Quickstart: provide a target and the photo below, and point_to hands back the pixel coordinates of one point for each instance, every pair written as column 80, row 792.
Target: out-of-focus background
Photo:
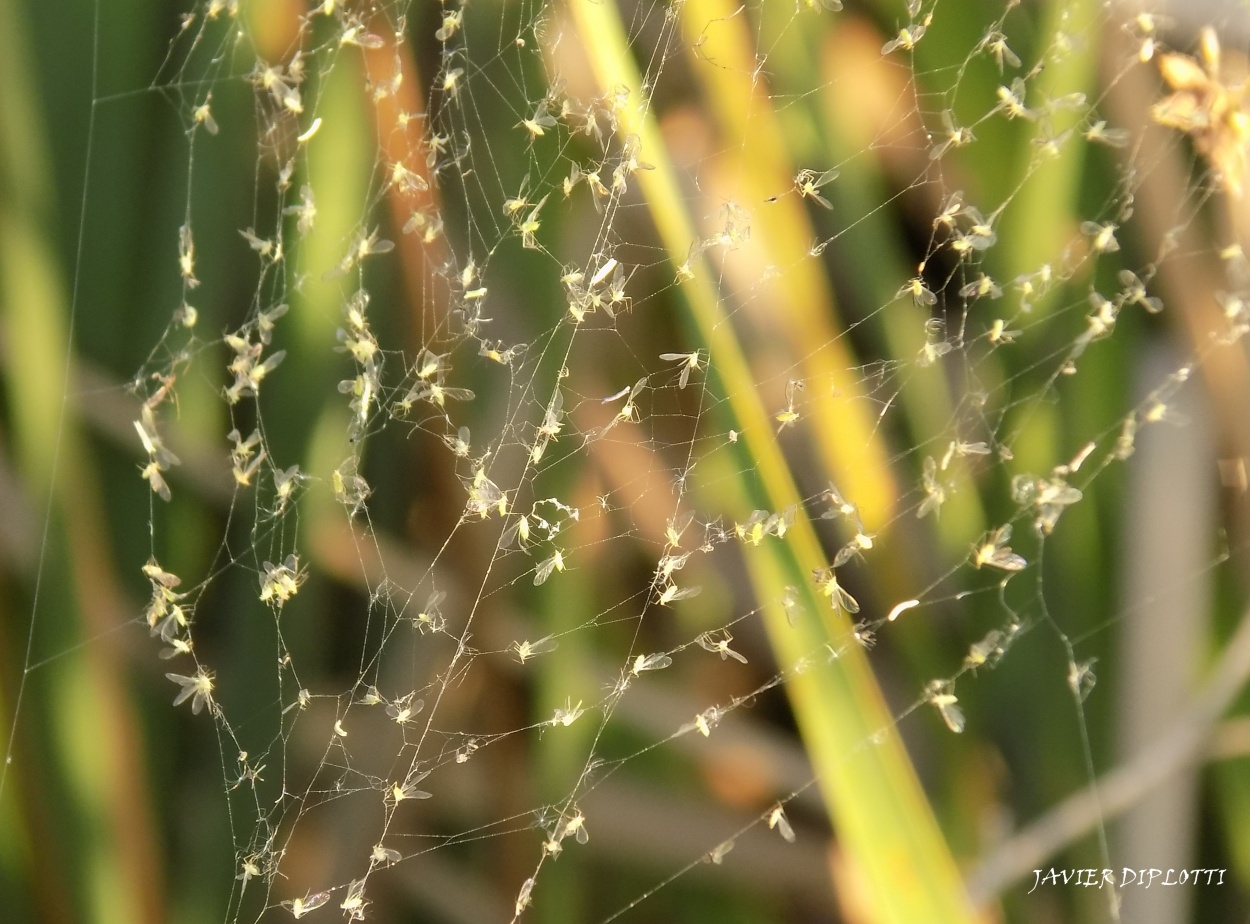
column 875, row 369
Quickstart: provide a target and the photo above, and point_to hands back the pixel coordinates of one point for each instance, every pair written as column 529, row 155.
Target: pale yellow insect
column 941, row 693
column 952, row 135
column 789, row 414
column 718, row 643
column 777, row 821
column 827, row 580
column 408, row 789
column 671, row 593
column 550, row 428
column 310, row 902
column 385, row 855
column 198, row 688
column 993, row 551
column 527, row 649
column 555, row 562
column 650, row 662
column 1102, row 236
column 405, row 709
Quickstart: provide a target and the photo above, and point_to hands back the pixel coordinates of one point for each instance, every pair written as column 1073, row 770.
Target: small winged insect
column 202, row 115
column 451, row 81
column 934, row 490
column 305, row 211
column 249, row 870
column 1098, row 133
column 197, row 688
column 523, row 897
column 355, row 34
column 998, row 333
column 265, row 248
column 527, row 649
column 405, row 709
column 718, row 643
column 354, row 903
column 517, row 532
column 430, row 619
column 575, row 827
column 245, row 465
column 907, row 37
column 365, row 244
column 1135, row 293
column 1011, row 101
column 617, row 300
column 186, row 257
column 285, row 481
column 459, row 444
column 838, row 505
column 808, row 184
column 496, row 352
column 982, row 287
column 996, row 44
column 677, row 526
column 435, row 393
column 670, row 563
column 1102, row 237
column 827, row 580
column 451, row 23
column 280, row 583
column 408, row 789
column 920, row 294
column 789, row 414
column 651, row 662
column 537, row 124
column 777, row 821
column 160, row 459
column 530, row 225
column 673, row 594
column 385, row 855
column 554, row 562
column 861, row 543
column 987, row 651
column 751, row 531
column 629, row 410
column 550, row 428
column 993, row 551
column 953, row 136
column 690, row 362
column 406, row 181
column 704, row 722
column 941, row 693
column 717, row 854
column 485, row 497
column 790, row 603
column 567, row 714
column 310, row 902
column 951, row 209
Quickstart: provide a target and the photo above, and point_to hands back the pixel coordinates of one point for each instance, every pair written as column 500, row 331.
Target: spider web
column 455, row 536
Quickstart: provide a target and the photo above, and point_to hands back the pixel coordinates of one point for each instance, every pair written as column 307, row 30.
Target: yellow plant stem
column 885, row 825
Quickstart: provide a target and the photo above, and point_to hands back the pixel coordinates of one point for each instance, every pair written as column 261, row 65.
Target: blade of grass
column 844, row 433
column 875, row 800
column 95, row 792
column 1042, row 215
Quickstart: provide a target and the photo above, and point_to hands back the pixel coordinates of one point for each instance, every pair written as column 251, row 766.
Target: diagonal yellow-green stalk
column 884, row 823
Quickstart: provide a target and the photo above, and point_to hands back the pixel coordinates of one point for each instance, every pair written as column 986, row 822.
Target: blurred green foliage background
column 116, row 807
